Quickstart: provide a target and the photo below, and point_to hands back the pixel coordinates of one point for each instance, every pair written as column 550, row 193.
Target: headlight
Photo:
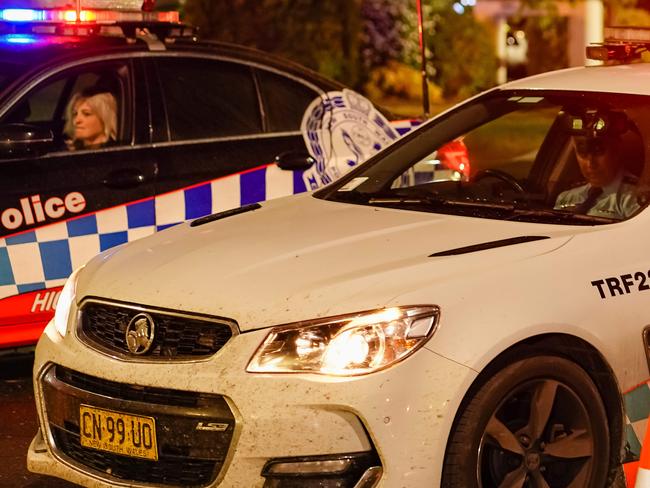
column 66, row 297
column 346, row 345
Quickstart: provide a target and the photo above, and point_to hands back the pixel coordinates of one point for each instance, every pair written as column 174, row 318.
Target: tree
column 461, row 57
column 381, row 37
column 321, row 35
column 463, row 54
column 347, row 39
column 248, row 22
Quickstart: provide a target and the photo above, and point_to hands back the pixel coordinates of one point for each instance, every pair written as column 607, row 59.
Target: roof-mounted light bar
column 627, row 34
column 81, row 4
column 32, row 15
column 623, row 44
column 20, row 15
column 619, row 52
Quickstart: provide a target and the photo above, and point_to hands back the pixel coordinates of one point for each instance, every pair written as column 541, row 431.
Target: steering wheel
column 499, row 175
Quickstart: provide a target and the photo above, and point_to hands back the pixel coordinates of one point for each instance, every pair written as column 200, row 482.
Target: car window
column 40, row 106
column 285, row 101
column 52, row 105
column 208, row 98
column 557, row 157
column 521, row 134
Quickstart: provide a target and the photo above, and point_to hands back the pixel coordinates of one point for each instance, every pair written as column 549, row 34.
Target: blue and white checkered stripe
column 229, row 192
column 637, row 410
column 45, row 257
column 404, row 126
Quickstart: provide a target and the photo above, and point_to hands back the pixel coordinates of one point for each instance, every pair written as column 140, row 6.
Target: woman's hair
column 102, row 103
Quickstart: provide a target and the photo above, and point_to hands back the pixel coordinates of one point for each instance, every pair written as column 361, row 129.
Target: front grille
column 187, row 455
column 146, row 394
column 177, row 336
column 168, row 470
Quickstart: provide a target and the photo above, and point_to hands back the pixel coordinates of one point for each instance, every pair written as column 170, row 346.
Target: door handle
column 123, row 179
column 294, row 161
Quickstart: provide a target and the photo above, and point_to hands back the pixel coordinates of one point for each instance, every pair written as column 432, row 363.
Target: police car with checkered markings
column 395, row 328
column 197, row 126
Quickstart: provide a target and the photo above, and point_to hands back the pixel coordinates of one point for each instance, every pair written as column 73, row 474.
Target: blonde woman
column 91, row 120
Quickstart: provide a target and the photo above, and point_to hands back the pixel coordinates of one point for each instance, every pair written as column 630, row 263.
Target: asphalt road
column 18, row 424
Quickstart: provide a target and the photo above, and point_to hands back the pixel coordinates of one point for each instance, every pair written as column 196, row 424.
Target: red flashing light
column 455, row 156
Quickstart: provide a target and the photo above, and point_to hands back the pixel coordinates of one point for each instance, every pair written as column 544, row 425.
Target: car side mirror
column 17, row 140
column 294, row 160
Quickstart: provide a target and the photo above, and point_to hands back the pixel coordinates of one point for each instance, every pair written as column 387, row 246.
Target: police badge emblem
column 341, row 130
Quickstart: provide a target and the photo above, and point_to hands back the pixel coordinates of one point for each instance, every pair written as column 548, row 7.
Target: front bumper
column 401, row 415
column 187, row 456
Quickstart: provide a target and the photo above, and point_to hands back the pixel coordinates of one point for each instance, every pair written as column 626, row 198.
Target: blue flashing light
column 19, row 39
column 458, row 8
column 21, row 15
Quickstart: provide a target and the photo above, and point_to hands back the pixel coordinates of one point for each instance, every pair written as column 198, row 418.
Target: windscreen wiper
column 564, row 215
column 442, row 201
column 512, row 210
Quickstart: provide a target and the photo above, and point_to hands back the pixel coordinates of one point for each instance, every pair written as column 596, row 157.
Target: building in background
column 531, row 41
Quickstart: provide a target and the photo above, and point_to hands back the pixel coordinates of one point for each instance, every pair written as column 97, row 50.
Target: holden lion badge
column 140, row 333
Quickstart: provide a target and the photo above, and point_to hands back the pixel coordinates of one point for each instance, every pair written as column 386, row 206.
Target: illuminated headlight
column 346, row 345
column 66, row 297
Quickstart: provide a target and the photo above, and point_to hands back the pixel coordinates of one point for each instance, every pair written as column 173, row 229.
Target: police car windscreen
column 537, row 156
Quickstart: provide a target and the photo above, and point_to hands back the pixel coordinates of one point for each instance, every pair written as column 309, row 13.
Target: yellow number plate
column 120, row 433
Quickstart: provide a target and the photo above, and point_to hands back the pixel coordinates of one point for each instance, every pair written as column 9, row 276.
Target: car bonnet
column 301, row 258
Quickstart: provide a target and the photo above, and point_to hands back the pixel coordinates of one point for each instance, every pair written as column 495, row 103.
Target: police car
column 198, row 125
column 388, row 330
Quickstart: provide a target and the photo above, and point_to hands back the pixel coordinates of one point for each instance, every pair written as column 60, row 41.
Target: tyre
column 537, row 423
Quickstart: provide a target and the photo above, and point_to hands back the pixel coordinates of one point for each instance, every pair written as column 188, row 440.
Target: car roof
column 253, row 55
column 38, row 55
column 623, row 78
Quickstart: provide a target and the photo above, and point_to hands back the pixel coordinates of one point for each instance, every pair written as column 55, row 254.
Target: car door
column 285, row 98
column 218, row 142
column 60, row 207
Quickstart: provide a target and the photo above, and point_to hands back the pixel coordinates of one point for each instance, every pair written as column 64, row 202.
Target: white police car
column 197, row 128
column 394, row 329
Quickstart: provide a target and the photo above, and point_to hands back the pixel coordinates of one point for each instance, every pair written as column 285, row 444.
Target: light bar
column 627, row 34
column 97, row 16
column 622, row 44
column 69, row 4
column 32, row 15
column 616, row 52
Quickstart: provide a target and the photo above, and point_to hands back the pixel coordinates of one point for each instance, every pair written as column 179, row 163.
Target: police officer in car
column 609, row 191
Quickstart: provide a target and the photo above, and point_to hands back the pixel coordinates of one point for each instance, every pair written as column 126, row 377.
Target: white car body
column 303, row 258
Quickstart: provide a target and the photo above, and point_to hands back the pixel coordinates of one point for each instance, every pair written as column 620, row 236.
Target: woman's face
column 88, row 127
